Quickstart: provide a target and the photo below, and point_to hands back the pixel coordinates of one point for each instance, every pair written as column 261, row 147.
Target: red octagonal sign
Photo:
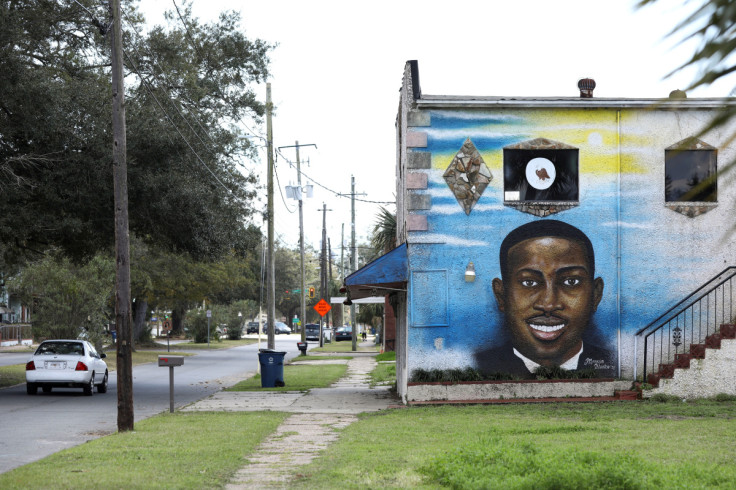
column 322, row 307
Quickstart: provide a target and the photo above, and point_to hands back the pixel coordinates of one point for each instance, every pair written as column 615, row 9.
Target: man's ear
column 499, row 293
column 597, row 292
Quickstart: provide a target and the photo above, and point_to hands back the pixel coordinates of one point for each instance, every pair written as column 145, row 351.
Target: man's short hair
column 545, row 228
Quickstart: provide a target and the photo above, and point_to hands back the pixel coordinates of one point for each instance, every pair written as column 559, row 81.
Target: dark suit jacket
column 501, row 359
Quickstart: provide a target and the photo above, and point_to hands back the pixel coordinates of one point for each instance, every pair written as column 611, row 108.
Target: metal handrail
column 707, row 303
column 732, row 268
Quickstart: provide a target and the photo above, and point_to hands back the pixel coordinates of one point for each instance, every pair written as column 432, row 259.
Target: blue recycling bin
column 272, row 368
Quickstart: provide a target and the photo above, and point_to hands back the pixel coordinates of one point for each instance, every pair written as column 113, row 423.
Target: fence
column 15, row 334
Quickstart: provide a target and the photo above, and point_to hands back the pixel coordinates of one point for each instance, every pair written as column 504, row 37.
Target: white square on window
column 511, row 196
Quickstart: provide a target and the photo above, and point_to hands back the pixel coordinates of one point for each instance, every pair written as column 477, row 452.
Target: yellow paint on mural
column 594, row 132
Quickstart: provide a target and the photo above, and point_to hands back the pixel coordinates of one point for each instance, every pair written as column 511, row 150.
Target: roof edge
column 461, row 101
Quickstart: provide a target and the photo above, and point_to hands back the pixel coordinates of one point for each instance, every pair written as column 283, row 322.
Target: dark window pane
column 540, row 175
column 690, row 176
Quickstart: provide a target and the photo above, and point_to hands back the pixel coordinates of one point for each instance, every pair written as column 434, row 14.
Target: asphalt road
column 33, row 427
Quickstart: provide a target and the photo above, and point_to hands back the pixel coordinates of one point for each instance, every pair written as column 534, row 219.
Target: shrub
column 556, row 372
column 724, row 397
column 234, row 328
column 664, row 398
column 196, row 322
column 455, row 375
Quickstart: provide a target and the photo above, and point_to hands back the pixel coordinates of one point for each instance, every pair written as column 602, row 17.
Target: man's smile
column 546, row 328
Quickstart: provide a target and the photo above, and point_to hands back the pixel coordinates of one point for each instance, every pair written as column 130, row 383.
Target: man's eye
column 529, row 283
column 571, row 281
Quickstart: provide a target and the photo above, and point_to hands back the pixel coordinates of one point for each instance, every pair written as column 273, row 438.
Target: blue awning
column 387, row 273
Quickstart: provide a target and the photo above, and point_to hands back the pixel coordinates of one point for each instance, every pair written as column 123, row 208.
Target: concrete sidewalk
column 317, row 417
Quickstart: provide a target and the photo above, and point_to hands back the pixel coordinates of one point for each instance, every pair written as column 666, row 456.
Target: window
column 690, row 172
column 540, row 170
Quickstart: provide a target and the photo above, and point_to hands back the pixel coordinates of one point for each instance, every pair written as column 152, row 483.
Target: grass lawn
column 12, row 375
column 383, row 374
column 565, row 445
column 180, row 450
column 319, row 358
column 298, row 378
column 214, row 344
column 343, row 346
column 140, row 357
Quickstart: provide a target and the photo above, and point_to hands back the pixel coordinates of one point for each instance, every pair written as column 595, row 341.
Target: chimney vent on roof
column 678, row 94
column 586, row 86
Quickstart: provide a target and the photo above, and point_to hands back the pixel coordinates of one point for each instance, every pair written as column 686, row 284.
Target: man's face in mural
column 548, row 297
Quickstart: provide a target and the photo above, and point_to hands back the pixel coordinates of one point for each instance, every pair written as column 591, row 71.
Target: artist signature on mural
column 596, row 363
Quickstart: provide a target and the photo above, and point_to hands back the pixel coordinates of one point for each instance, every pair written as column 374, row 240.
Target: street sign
column 322, row 307
column 209, row 313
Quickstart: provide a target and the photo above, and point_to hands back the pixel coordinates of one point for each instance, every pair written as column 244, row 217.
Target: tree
column 383, row 237
column 287, row 278
column 68, row 300
column 175, row 281
column 713, row 24
column 188, row 86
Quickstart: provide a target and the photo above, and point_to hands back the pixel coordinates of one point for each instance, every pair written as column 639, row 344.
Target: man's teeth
column 544, row 328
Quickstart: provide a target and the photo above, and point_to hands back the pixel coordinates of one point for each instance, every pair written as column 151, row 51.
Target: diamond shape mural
column 467, row 176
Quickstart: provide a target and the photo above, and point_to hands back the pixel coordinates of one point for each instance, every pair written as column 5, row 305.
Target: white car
column 66, row 364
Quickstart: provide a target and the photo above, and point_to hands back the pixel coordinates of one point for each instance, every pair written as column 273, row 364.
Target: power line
column 338, row 194
column 278, row 150
column 282, row 193
column 145, row 83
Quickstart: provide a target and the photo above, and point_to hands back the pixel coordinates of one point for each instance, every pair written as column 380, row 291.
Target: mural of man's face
column 548, row 297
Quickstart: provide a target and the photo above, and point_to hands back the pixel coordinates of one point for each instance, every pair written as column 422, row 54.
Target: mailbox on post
column 164, row 361
column 171, row 362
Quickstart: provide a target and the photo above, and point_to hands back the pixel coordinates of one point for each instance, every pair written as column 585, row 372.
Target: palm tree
column 383, row 238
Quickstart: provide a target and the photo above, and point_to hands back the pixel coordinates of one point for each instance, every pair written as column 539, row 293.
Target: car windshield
column 60, row 348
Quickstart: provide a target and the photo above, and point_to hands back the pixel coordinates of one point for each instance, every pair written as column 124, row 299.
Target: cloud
column 623, row 224
column 418, row 237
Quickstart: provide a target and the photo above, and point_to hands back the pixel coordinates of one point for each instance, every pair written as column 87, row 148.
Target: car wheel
column 102, row 387
column 88, row 387
column 31, row 388
column 47, row 389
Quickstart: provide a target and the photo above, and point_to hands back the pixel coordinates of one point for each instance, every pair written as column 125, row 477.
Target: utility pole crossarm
column 301, row 238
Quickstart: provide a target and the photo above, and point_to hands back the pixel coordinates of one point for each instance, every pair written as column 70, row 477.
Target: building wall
column 647, row 255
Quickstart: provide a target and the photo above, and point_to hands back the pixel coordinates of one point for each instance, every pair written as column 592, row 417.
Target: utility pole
column 355, row 258
column 323, row 263
column 303, row 315
column 342, row 269
column 271, row 270
column 354, row 255
column 122, row 238
column 342, row 253
column 299, row 193
column 330, row 314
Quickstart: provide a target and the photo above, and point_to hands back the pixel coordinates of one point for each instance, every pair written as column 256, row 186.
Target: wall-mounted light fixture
column 470, row 273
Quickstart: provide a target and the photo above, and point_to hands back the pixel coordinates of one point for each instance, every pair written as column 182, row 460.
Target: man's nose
column 548, row 300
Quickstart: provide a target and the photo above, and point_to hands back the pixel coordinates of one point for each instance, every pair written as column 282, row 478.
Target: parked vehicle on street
column 344, row 333
column 252, row 327
column 311, row 331
column 278, row 328
column 66, row 364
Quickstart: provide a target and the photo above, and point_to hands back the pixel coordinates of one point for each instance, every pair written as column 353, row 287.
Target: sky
column 338, row 66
